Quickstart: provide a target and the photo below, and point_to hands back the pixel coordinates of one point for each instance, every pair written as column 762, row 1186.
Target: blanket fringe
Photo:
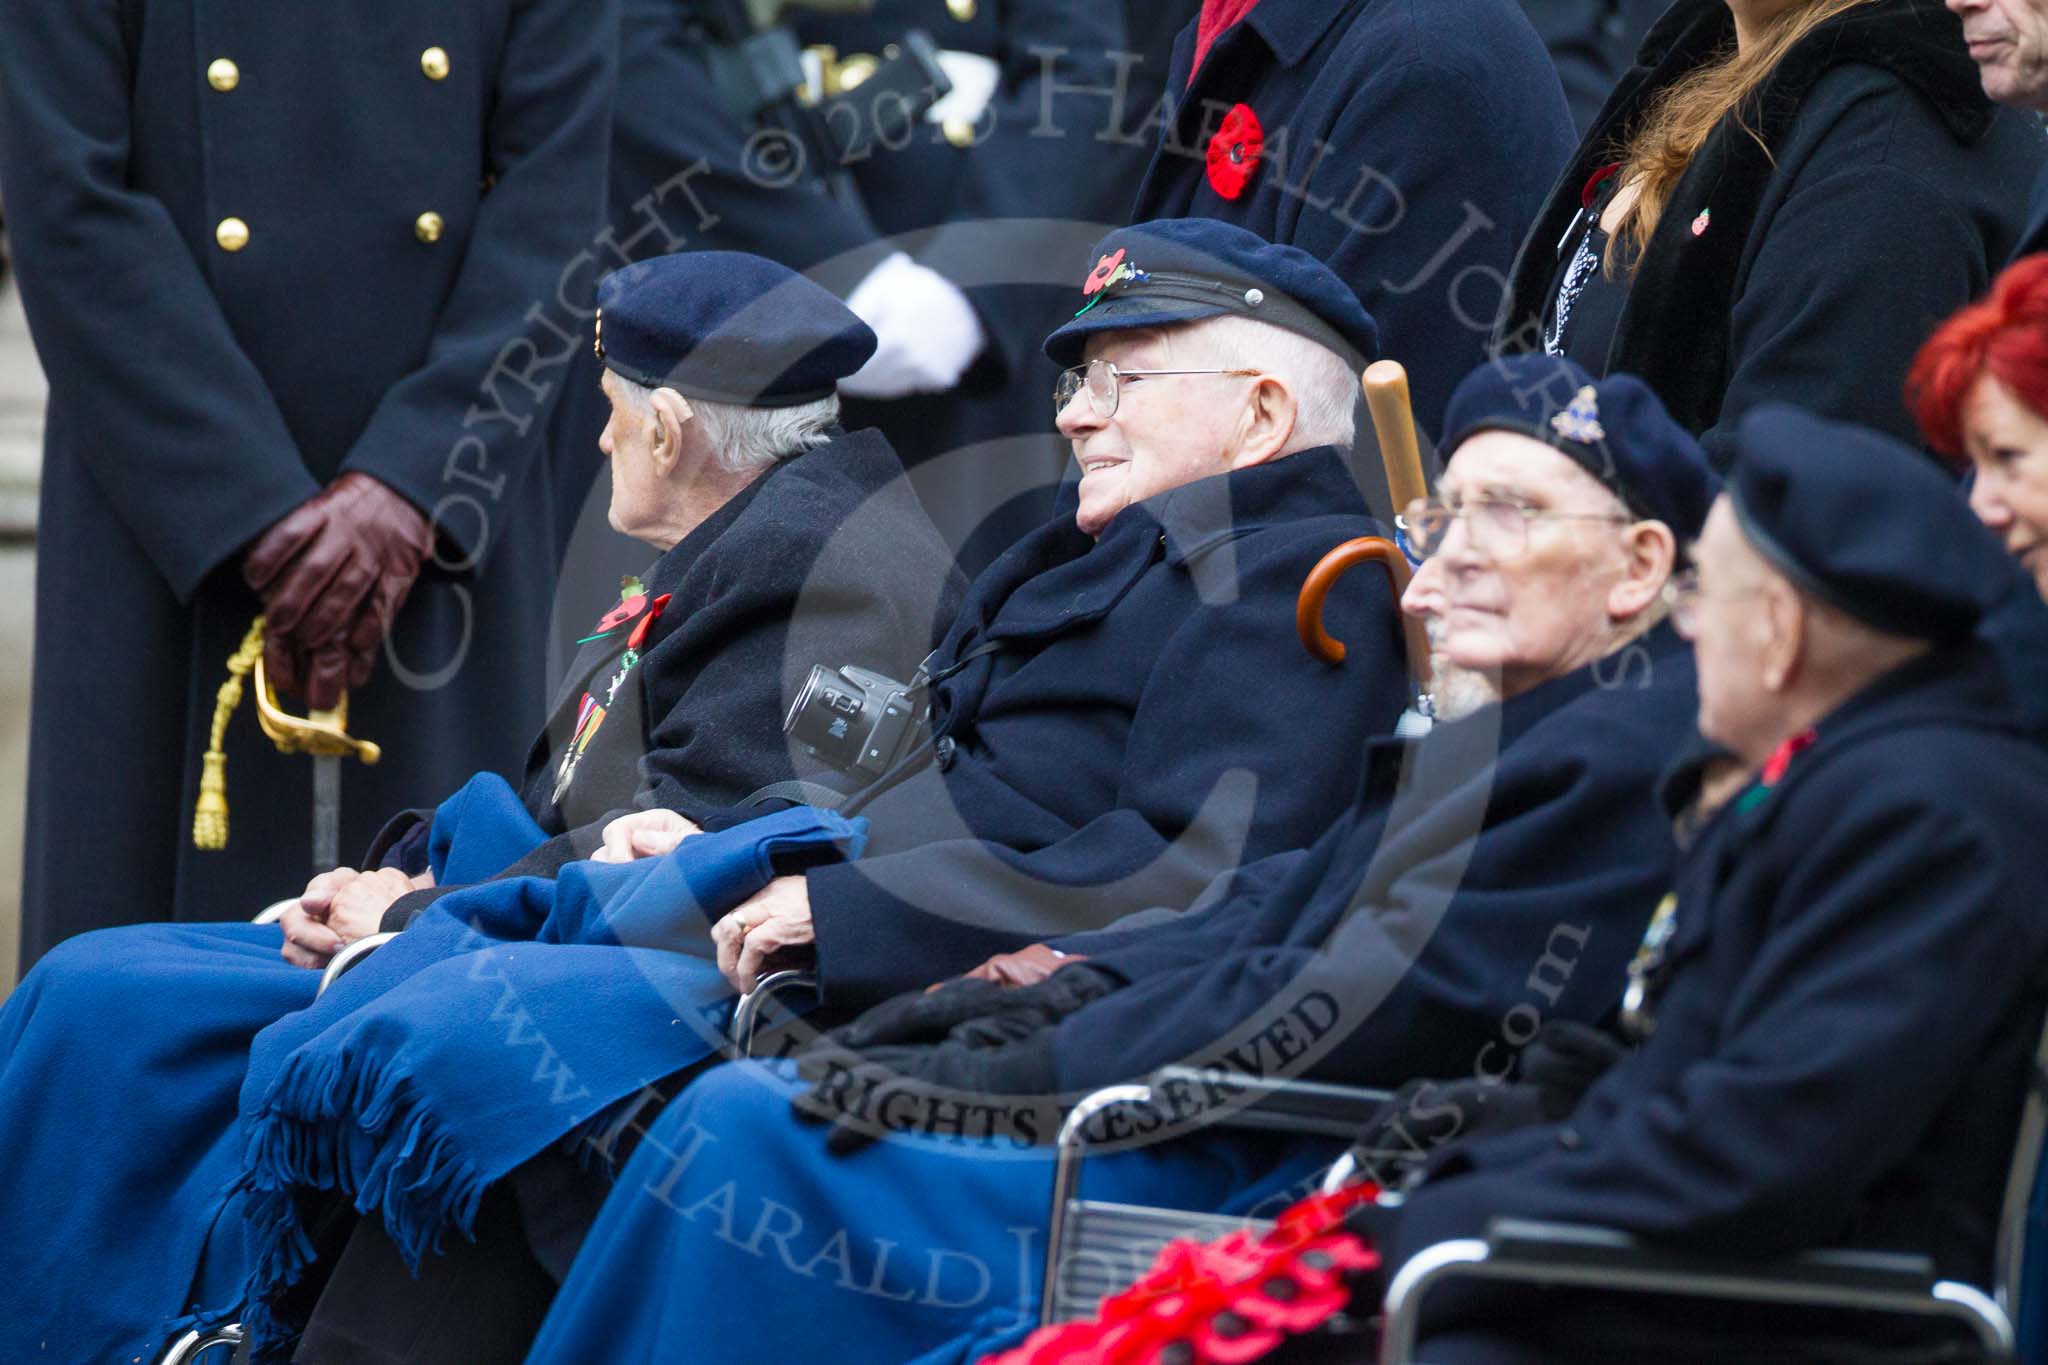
column 391, row 1156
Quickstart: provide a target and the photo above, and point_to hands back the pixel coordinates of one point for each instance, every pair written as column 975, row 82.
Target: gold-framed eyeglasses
column 1498, row 526
column 1103, row 382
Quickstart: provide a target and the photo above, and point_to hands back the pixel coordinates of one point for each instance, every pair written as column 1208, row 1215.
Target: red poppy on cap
column 1104, row 271
column 1234, row 152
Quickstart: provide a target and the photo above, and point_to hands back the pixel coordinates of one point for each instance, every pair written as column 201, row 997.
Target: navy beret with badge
column 1863, row 523
column 1615, row 429
column 727, row 327
column 1180, row 270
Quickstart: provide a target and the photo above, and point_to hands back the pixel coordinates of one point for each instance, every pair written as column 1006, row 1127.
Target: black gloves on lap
column 972, row 1060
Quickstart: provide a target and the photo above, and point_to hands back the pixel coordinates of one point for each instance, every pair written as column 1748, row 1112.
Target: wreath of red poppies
column 1225, row 1302
column 1234, row 152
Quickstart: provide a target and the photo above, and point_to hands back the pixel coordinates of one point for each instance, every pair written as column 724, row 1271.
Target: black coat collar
column 1918, row 41
column 1057, row 580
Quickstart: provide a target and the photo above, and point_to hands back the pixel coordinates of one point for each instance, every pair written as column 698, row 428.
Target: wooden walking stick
column 1386, row 396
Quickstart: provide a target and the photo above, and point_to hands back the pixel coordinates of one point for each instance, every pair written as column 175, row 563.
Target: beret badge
column 1581, row 420
column 597, row 336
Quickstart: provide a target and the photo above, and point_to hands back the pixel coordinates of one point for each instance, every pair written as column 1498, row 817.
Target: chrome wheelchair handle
column 273, row 912
column 346, row 960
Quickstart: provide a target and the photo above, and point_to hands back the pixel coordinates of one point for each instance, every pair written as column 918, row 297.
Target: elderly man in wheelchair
column 727, row 459
column 1498, row 871
column 1810, row 1156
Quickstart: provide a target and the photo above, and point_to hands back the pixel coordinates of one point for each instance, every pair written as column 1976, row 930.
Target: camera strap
column 803, row 793
column 924, row 681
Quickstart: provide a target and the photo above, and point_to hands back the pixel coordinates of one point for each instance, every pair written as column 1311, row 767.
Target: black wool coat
column 826, row 558
column 206, row 380
column 1856, row 985
column 1147, row 719
column 1809, row 268
column 1407, row 145
column 1491, row 875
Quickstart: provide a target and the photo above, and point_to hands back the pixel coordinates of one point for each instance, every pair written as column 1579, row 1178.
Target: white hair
column 1324, row 385
column 744, row 439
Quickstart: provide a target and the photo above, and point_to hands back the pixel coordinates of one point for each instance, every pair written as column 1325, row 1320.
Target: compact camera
column 856, row 720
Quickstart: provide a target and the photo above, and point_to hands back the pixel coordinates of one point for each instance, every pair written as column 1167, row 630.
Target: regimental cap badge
column 597, row 338
column 1581, row 421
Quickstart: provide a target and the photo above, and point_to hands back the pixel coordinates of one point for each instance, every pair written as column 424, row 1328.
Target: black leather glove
column 972, row 1060
column 1557, row 1068
column 332, row 575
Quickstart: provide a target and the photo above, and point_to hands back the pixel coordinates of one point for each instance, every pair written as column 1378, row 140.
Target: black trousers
column 478, row 1303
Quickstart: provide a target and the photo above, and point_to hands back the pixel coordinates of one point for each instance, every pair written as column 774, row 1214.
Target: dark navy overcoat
column 260, row 246
column 1856, row 986
column 1148, row 718
column 1494, row 874
column 1408, row 146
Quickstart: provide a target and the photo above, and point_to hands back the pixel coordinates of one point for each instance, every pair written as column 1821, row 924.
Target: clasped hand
column 332, row 575
column 339, row 907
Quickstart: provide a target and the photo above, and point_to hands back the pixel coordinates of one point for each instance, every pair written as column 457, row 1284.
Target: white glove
column 928, row 331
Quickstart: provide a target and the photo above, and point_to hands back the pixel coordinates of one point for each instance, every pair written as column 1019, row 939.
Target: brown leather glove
column 332, row 575
column 1025, row 967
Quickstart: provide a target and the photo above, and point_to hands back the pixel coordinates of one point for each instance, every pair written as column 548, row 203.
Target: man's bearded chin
column 1456, row 692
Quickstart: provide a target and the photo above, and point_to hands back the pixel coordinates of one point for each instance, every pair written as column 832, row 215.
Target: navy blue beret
column 1864, row 523
column 1615, row 428
column 1178, row 270
column 728, row 328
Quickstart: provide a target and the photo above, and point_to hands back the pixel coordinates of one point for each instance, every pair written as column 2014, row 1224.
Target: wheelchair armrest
column 746, row 1014
column 273, row 912
column 1583, row 1245
column 1580, row 1256
column 1274, row 1104
column 347, row 959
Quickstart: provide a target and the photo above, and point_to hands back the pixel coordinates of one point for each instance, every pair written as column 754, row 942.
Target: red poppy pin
column 1595, row 181
column 1781, row 758
column 639, row 635
column 1235, row 151
column 1105, row 270
column 628, row 608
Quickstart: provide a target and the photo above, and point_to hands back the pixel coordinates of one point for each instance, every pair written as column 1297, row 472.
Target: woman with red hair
column 1979, row 389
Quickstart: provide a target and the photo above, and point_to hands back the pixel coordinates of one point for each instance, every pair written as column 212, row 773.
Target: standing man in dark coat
column 1406, row 146
column 1841, row 1010
column 298, row 281
column 2008, row 39
column 959, row 250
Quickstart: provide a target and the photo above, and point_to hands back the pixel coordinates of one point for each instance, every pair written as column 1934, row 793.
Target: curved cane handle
column 1315, row 590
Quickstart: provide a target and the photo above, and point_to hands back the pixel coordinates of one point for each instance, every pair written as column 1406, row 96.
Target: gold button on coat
column 427, row 227
column 434, row 61
column 959, row 131
column 963, row 10
column 223, row 75
column 232, row 234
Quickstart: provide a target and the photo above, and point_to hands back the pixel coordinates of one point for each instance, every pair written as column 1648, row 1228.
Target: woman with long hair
column 1777, row 202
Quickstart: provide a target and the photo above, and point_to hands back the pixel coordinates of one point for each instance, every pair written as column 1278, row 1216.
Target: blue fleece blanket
column 503, row 1020
column 121, row 1056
